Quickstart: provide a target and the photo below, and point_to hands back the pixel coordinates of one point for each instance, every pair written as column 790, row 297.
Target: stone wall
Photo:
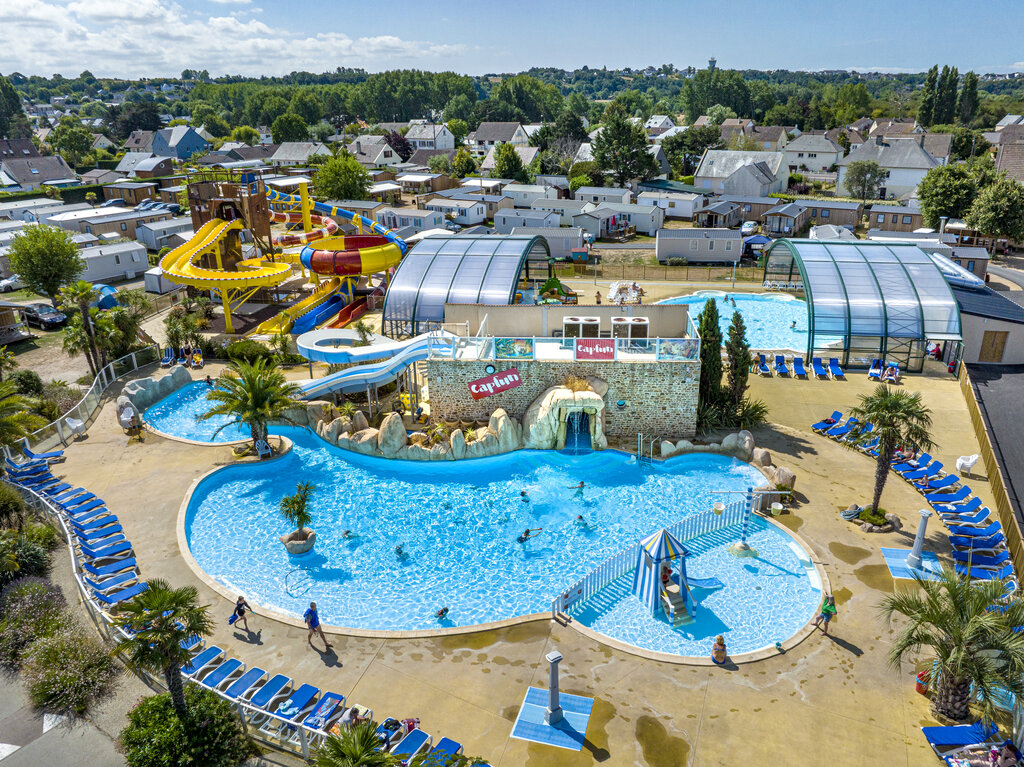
column 660, row 397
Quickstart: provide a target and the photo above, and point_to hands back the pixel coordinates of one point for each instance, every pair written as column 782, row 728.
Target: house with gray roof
column 523, row 195
column 258, row 152
column 786, row 219
column 527, row 154
column 905, row 160
column 702, row 246
column 140, row 141
column 601, row 194
column 510, row 218
column 371, row 151
column 657, row 124
column 298, row 152
column 728, row 171
column 565, row 209
column 130, row 159
column 152, row 167
column 609, row 220
column 181, row 142
column 490, row 134
column 812, row 151
column 430, row 136
column 561, row 240
column 26, row 174
column 17, row 147
column 895, row 218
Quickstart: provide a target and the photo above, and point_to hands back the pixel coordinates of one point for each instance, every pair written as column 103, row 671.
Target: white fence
column 270, row 730
column 59, row 432
column 618, row 565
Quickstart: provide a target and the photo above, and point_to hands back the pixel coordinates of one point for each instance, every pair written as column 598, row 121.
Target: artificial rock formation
column 544, row 423
column 143, row 392
column 299, row 541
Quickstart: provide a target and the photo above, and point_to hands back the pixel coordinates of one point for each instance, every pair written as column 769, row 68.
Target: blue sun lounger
column 948, row 499
column 979, row 573
column 245, row 683
column 941, row 483
column 876, row 369
column 325, row 709
column 780, row 365
column 931, row 470
column 53, row 455
column 942, row 739
column 958, row 509
column 829, row 422
column 94, row 523
column 293, row 708
column 106, row 552
column 841, row 431
column 818, row 368
column 992, row 543
column 442, row 752
column 266, row 694
column 223, row 674
column 973, row 532
column 113, row 582
column 90, row 537
column 168, row 359
column 981, row 519
column 984, row 560
column 762, row 366
column 798, row 367
column 202, row 661
column 182, row 359
column 387, row 732
column 121, row 596
column 834, row 369
column 113, row 567
column 412, row 744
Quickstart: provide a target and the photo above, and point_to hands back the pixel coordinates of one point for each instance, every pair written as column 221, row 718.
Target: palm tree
column 356, row 747
column 78, row 296
column 17, row 419
column 968, row 631
column 158, row 620
column 295, row 508
column 7, row 361
column 253, row 394
column 899, row 418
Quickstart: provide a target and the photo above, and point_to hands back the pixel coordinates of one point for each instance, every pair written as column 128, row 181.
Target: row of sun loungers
column 781, row 367
column 278, row 706
column 190, row 358
column 781, row 285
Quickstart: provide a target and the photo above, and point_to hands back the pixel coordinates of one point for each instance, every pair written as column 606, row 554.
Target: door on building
column 992, row 345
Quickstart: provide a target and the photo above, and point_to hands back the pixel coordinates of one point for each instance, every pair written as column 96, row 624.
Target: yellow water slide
column 236, row 286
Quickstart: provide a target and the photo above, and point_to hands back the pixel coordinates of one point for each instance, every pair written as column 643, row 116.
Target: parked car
column 749, row 227
column 112, row 201
column 43, row 316
column 11, row 283
column 451, row 226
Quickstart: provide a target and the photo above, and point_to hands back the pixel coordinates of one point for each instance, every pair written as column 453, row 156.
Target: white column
column 914, row 560
column 553, row 714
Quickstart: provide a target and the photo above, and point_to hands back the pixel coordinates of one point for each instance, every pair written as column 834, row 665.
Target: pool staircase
column 645, row 450
column 675, row 605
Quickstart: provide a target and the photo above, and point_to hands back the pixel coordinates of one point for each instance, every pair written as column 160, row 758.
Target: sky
column 152, row 38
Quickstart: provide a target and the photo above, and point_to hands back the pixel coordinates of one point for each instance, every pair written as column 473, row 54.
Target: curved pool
column 769, row 317
column 457, row 525
column 177, row 415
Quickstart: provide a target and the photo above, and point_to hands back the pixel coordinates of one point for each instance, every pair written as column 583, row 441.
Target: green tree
column 621, row 148
column 459, row 129
column 90, row 197
column 968, row 631
column 576, row 182
column 685, row 149
column 342, row 178
column 926, row 109
column 295, row 508
column 967, row 101
column 945, row 99
column 46, row 259
column 71, row 139
column 508, row 163
column 899, row 417
column 216, row 126
column 17, row 419
column 253, row 394
column 307, row 106
column 246, row 134
column 440, row 163
column 13, row 123
column 710, row 355
column 533, row 100
column 77, row 297
column 946, row 190
column 718, row 114
column 289, row 127
column 737, row 351
column 863, row 179
column 998, row 210
column 460, row 107
column 8, row 361
column 463, row 164
column 355, row 747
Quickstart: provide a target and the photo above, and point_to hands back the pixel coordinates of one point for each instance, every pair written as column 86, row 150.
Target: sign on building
column 494, row 383
column 587, row 349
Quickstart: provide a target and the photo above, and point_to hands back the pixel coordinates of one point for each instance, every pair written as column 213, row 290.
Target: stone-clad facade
column 660, row 397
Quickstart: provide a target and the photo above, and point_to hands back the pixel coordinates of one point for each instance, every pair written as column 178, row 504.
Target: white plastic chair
column 965, row 463
column 76, row 426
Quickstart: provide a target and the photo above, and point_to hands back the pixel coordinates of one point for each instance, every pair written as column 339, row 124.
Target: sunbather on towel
column 891, row 374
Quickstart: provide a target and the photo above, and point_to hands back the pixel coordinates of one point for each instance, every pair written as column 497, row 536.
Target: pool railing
column 619, row 564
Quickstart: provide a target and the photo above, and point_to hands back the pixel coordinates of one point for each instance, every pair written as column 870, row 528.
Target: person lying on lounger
column 891, row 373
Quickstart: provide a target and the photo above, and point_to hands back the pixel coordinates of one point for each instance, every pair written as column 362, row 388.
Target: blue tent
column 655, row 550
column 108, row 296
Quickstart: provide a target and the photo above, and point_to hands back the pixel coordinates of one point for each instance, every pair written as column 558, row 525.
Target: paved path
column 1010, row 275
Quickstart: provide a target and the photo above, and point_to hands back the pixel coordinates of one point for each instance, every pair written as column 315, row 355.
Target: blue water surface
column 178, row 416
column 769, row 318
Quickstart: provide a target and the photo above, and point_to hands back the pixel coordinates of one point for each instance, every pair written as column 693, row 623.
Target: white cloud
column 156, row 37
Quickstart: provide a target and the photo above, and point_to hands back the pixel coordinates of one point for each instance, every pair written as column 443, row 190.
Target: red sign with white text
column 594, row 349
column 494, row 383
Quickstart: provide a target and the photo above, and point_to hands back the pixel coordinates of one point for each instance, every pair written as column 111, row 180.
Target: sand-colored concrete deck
column 829, row 701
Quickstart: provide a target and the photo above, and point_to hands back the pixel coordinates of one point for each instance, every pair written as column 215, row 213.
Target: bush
column 62, row 395
column 30, row 558
column 68, row 671
column 43, row 534
column 30, row 608
column 27, row 382
column 878, row 518
column 12, row 507
column 211, row 733
column 688, row 180
column 249, row 351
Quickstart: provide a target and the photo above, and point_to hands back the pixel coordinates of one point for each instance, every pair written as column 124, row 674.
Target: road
column 1010, row 275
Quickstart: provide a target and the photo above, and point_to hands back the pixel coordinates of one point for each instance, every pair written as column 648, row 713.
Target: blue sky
column 252, row 37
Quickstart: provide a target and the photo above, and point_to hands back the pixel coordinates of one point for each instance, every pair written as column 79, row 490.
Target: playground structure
column 216, row 258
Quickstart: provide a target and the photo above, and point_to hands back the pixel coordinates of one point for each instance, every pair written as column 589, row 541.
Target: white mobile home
column 602, row 194
column 524, row 195
column 675, row 204
column 155, row 234
column 109, row 263
column 702, row 246
column 508, row 219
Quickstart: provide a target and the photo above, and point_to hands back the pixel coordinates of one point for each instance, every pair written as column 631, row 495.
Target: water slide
column 180, row 264
column 395, row 357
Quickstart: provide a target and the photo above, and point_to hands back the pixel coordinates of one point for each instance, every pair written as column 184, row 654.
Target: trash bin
column 923, row 678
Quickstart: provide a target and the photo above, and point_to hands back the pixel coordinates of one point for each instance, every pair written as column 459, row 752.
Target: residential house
column 1010, row 120
column 392, row 127
column 423, row 183
column 728, row 171
column 527, row 154
column 657, row 124
column 507, row 220
column 972, row 258
column 721, row 215
column 181, row 142
column 99, row 141
column 751, row 208
column 156, row 234
column 170, row 193
column 524, row 195
column 140, row 141
column 660, row 138
column 485, row 185
column 1010, row 160
column 812, row 151
column 610, row 220
column 373, row 151
column 565, row 209
column 562, row 241
column 701, row 246
column 298, row 152
column 786, row 219
column 258, row 152
column 461, row 212
column 939, row 146
column 152, row 167
column 422, row 157
column 862, row 125
column 430, row 136
column 493, row 202
column 132, row 192
column 114, row 262
column 894, row 126
column 26, row 174
column 493, row 133
column 661, row 159
column 26, row 210
column 411, row 219
column 647, row 218
column 129, row 160
column 895, row 218
column 675, row 204
column 854, row 138
column 769, row 138
column 905, row 161
column 367, row 208
column 601, row 194
column 101, row 176
column 835, row 212
column 561, row 183
column 12, row 148
column 120, row 225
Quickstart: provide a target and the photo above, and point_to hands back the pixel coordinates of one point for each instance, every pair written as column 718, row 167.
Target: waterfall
column 577, row 433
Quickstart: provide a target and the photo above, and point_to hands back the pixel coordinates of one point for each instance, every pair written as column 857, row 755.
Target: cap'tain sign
column 497, row 382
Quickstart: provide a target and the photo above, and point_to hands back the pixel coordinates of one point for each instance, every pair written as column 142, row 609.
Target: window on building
column 907, row 219
column 693, row 244
column 970, row 265
column 881, row 218
column 124, row 227
column 814, row 212
column 706, row 183
column 728, row 245
column 711, row 244
column 895, row 217
column 117, row 259
column 746, row 208
column 799, row 154
column 825, row 213
column 812, row 154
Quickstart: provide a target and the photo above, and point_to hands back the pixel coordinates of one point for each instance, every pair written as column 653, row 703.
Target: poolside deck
column 830, row 700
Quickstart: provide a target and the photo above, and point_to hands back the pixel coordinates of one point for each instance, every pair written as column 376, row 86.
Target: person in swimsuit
column 828, row 612
column 240, row 607
column 524, row 496
column 312, row 619
column 441, row 613
column 579, row 490
column 718, row 652
column 528, row 533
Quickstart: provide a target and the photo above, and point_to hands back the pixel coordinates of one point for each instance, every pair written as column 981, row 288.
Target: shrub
column 210, row 735
column 63, row 396
column 249, row 351
column 874, row 518
column 576, row 383
column 29, row 558
column 43, row 534
column 30, row 608
column 27, row 382
column 12, row 507
column 68, row 671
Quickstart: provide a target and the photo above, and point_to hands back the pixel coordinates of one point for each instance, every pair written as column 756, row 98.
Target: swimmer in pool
column 793, row 326
column 348, row 535
column 523, row 496
column 400, row 552
column 581, row 522
column 528, row 533
column 441, row 613
column 579, row 490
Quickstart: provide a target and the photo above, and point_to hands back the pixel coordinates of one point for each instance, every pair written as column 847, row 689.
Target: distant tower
column 712, row 63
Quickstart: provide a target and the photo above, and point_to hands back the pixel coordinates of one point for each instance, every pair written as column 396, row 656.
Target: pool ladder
column 643, row 459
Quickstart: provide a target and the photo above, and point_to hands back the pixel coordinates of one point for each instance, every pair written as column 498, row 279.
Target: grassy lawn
column 22, row 296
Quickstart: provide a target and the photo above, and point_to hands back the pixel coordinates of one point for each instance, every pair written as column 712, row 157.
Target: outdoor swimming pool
column 177, row 415
column 769, row 318
column 457, row 530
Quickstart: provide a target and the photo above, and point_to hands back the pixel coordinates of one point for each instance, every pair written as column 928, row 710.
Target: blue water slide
column 318, row 315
